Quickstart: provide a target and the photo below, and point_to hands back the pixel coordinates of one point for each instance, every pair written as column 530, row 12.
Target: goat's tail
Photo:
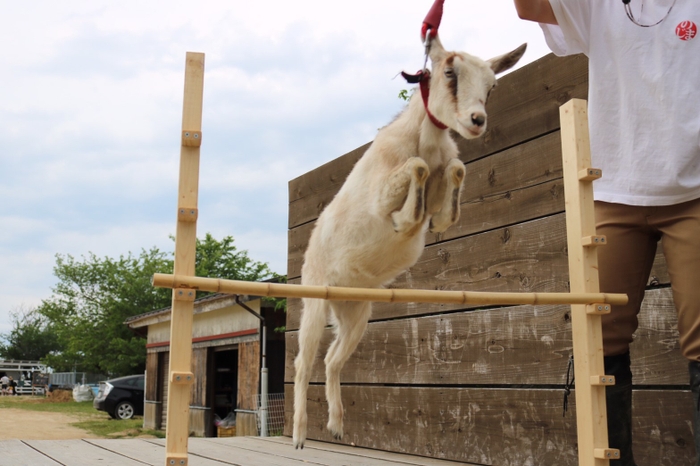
column 313, row 320
column 314, row 317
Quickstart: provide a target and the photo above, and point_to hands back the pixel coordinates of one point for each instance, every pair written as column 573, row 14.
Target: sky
column 91, row 114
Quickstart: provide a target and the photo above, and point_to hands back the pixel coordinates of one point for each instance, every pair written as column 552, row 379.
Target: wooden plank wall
column 485, row 385
column 248, row 383
column 152, row 404
column 201, row 421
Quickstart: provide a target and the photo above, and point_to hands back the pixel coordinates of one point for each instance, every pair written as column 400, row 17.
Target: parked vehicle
column 121, row 398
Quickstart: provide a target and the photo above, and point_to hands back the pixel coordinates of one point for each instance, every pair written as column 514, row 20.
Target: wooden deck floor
column 243, row 451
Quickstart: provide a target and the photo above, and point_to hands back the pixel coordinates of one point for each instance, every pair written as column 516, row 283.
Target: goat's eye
column 449, row 73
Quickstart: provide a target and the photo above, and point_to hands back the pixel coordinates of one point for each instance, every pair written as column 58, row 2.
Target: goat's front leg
column 403, row 195
column 444, row 196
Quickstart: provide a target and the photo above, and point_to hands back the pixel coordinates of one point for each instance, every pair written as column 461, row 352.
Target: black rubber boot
column 694, row 370
column 618, row 399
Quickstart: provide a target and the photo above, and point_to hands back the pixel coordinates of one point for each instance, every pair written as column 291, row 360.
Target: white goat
column 410, row 179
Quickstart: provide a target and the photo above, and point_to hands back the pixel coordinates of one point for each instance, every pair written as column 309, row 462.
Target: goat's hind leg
column 444, row 199
column 313, row 320
column 403, row 195
column 352, row 320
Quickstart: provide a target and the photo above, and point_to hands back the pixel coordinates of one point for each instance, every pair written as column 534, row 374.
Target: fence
column 275, row 413
column 71, row 379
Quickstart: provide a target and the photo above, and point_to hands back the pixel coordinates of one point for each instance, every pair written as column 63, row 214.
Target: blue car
column 121, row 398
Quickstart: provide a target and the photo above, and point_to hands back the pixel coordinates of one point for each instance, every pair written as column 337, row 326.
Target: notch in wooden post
column 187, row 214
column 603, row 380
column 181, row 378
column 606, row 453
column 590, row 174
column 598, row 309
column 175, row 460
column 184, row 294
column 191, row 138
column 595, row 240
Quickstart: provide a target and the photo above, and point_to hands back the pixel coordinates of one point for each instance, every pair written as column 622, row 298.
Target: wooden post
column 181, row 378
column 591, row 418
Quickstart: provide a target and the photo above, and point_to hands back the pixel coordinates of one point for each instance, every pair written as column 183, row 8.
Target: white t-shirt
column 643, row 98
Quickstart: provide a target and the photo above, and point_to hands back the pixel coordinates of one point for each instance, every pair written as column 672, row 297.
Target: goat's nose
column 478, row 118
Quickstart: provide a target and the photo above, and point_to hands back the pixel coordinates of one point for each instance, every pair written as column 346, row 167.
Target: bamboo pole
column 279, row 290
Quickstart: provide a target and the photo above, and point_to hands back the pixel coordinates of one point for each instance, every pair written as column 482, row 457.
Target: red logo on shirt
column 686, row 30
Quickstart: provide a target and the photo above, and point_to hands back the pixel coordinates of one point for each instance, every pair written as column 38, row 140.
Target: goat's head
column 460, row 85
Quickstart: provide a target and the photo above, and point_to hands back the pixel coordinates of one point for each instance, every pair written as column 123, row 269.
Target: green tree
column 221, row 259
column 94, row 296
column 31, row 338
column 90, row 303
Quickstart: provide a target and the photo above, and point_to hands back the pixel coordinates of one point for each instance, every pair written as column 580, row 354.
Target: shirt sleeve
column 572, row 34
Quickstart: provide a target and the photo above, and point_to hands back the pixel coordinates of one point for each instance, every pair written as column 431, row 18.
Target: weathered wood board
column 521, row 345
column 18, row 453
column 498, row 427
column 499, row 371
column 527, row 257
column 232, row 451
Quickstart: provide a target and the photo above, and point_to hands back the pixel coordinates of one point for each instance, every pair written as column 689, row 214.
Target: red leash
column 429, row 29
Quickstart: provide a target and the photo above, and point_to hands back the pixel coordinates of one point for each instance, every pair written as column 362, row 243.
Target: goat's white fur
column 409, row 180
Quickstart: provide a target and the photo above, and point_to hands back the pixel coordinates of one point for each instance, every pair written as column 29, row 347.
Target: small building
column 25, row 374
column 226, row 361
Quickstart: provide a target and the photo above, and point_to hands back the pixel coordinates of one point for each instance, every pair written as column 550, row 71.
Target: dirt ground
column 36, row 425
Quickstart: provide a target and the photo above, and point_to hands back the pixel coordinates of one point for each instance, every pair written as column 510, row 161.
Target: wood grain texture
column 529, row 257
column 527, row 345
column 248, row 374
column 516, row 185
column 499, row 427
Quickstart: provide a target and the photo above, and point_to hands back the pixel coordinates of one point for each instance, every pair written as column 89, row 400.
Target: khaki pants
column 625, row 263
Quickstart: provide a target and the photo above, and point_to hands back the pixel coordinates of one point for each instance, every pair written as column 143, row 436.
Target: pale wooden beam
column 591, row 417
column 180, row 378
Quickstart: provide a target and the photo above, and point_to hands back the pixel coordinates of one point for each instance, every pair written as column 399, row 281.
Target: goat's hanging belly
column 364, row 263
column 352, row 246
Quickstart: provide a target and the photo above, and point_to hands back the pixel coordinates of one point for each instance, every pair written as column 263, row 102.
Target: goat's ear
column 437, row 51
column 508, row 60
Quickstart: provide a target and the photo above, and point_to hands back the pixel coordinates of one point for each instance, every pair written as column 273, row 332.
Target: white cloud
column 92, row 101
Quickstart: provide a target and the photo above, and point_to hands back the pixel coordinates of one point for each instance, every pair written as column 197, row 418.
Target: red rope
column 431, row 22
column 424, row 92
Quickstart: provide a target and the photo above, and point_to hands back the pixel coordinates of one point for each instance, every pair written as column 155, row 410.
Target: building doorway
column 225, row 371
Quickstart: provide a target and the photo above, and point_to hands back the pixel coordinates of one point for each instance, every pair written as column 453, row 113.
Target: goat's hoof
column 433, row 229
column 336, row 429
column 298, row 444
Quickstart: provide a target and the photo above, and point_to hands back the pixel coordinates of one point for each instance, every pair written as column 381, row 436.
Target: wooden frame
column 587, row 303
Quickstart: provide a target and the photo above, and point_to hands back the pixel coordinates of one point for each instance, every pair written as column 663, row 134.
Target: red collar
column 423, row 77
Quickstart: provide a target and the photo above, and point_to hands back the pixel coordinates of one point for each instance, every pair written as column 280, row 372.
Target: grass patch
column 111, row 428
column 86, row 417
